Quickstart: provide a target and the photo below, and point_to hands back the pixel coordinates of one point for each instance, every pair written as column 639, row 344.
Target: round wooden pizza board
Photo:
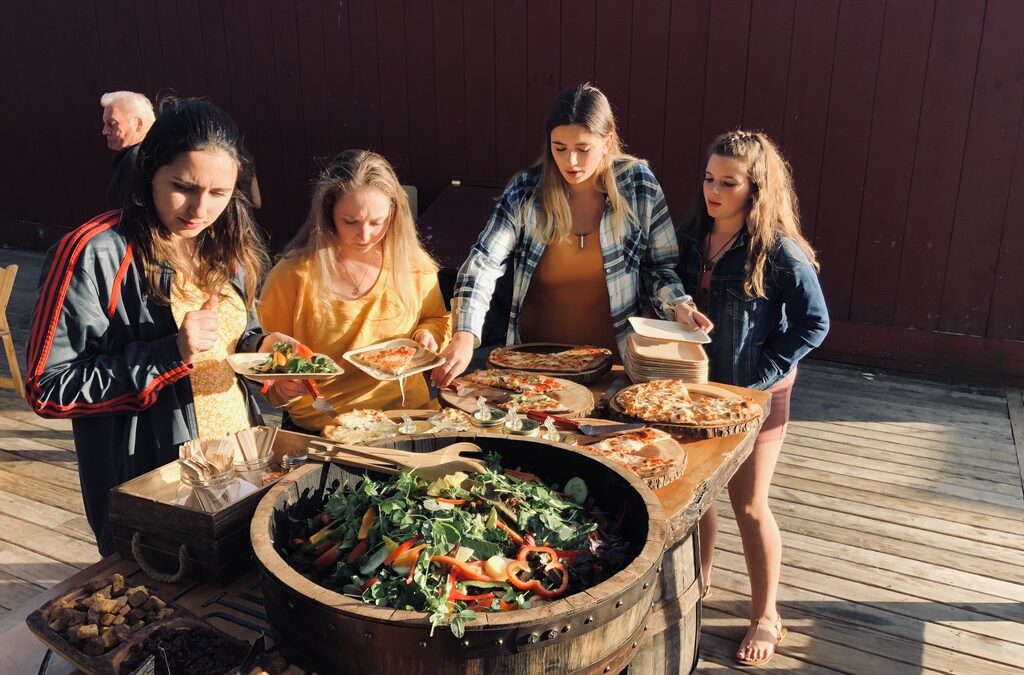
column 577, row 399
column 580, row 376
column 616, row 412
column 668, row 449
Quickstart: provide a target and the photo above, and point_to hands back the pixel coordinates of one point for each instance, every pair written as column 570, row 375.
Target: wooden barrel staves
column 598, row 631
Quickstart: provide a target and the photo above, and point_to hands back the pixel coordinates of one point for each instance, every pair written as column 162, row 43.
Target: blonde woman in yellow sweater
column 355, row 274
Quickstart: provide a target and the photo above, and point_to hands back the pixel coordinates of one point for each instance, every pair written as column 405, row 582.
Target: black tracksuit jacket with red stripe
column 104, row 355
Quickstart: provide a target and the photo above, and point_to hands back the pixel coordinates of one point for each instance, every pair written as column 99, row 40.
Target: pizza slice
column 528, row 383
column 390, row 360
column 489, row 378
column 632, row 451
column 527, row 402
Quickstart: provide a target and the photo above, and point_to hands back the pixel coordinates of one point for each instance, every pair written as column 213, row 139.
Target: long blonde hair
column 586, row 105
column 317, row 240
column 773, row 211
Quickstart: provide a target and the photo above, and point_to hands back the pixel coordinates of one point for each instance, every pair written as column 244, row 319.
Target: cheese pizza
column 357, row 426
column 527, row 402
column 571, row 360
column 631, row 450
column 523, row 383
column 390, row 360
column 669, row 401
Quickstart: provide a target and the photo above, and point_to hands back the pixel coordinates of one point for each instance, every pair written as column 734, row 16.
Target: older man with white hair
column 127, row 117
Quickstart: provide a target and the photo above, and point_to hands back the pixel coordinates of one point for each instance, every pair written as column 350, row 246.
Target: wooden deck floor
column 899, row 500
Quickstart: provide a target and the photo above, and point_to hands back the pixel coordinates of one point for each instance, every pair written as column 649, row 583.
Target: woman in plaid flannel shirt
column 583, row 184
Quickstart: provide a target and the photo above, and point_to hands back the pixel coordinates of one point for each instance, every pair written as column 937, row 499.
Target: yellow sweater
column 291, row 305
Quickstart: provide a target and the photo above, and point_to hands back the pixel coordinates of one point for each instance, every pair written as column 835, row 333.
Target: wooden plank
column 1015, row 406
column 854, row 70
column 898, row 93
column 833, row 641
column 648, row 79
column 768, row 63
column 941, row 138
column 478, row 36
column 945, row 626
column 392, row 57
column 42, row 471
column 449, row 93
column 65, row 498
column 517, row 145
column 880, row 431
column 614, row 44
column 46, row 542
column 968, row 388
column 577, row 53
column 985, row 526
column 885, row 462
column 728, row 42
column 15, row 592
column 1006, row 312
column 946, row 488
column 363, row 42
column 335, row 30
column 296, row 162
column 978, row 593
column 542, row 30
column 982, row 511
column 997, row 545
column 807, row 96
column 965, row 456
column 35, row 568
column 683, row 154
column 210, row 16
column 981, row 202
column 314, row 83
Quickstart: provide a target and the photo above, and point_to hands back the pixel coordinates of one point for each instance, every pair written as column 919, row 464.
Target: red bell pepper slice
column 522, row 564
column 454, row 502
column 366, row 584
column 400, row 549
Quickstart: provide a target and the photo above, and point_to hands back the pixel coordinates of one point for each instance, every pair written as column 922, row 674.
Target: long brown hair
column 232, row 242
column 586, row 105
column 773, row 210
column 316, row 240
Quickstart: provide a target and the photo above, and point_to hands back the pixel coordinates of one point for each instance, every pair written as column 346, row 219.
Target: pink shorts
column 774, row 428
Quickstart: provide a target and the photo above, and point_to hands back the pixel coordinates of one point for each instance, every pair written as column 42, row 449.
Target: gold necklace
column 357, row 287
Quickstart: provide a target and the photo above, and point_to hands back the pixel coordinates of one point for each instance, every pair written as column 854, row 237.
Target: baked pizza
column 357, row 426
column 570, row 360
column 632, row 451
column 670, row 401
column 450, row 420
column 390, row 360
column 523, row 383
column 527, row 402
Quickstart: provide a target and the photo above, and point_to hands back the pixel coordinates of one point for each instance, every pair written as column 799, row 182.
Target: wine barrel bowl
column 594, row 631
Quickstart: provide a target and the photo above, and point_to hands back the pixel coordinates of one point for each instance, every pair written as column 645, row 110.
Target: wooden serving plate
column 616, row 412
column 668, row 449
column 577, row 399
column 581, row 376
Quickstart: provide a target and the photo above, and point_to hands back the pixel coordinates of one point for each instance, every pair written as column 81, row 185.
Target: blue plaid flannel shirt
column 639, row 267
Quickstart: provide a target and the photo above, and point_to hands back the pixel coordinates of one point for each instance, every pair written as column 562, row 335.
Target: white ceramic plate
column 243, row 364
column 423, row 360
column 659, row 329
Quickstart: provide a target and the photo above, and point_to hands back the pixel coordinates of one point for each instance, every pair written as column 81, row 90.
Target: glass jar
column 255, row 472
column 207, row 494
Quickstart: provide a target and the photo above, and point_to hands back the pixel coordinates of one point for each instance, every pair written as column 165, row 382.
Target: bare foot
column 758, row 647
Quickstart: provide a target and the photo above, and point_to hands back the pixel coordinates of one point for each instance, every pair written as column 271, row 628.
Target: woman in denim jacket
column 756, row 279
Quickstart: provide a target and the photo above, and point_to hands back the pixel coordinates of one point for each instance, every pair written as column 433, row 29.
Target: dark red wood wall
column 903, row 121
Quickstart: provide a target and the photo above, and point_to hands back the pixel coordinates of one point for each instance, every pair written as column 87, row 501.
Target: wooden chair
column 6, row 286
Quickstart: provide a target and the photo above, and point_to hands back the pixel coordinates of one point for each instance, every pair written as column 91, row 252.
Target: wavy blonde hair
column 586, row 105
column 773, row 211
column 317, row 240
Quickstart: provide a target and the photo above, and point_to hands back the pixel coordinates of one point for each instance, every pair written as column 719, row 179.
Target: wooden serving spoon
column 426, row 465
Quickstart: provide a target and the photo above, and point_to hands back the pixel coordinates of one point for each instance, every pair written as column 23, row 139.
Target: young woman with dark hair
column 139, row 308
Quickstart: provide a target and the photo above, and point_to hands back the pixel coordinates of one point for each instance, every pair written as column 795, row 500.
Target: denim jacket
column 758, row 341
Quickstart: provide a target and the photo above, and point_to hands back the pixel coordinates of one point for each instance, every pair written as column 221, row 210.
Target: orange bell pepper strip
column 522, row 564
column 512, row 534
column 454, row 502
column 303, row 351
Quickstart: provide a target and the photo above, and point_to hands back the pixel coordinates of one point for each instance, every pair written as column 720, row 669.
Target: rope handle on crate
column 154, row 574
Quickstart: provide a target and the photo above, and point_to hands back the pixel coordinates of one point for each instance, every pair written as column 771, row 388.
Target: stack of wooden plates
column 647, row 359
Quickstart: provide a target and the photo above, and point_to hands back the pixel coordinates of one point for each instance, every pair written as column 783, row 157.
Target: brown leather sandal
column 776, row 630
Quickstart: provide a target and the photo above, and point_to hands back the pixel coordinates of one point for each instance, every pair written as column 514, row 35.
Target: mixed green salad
column 488, row 542
column 289, row 358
